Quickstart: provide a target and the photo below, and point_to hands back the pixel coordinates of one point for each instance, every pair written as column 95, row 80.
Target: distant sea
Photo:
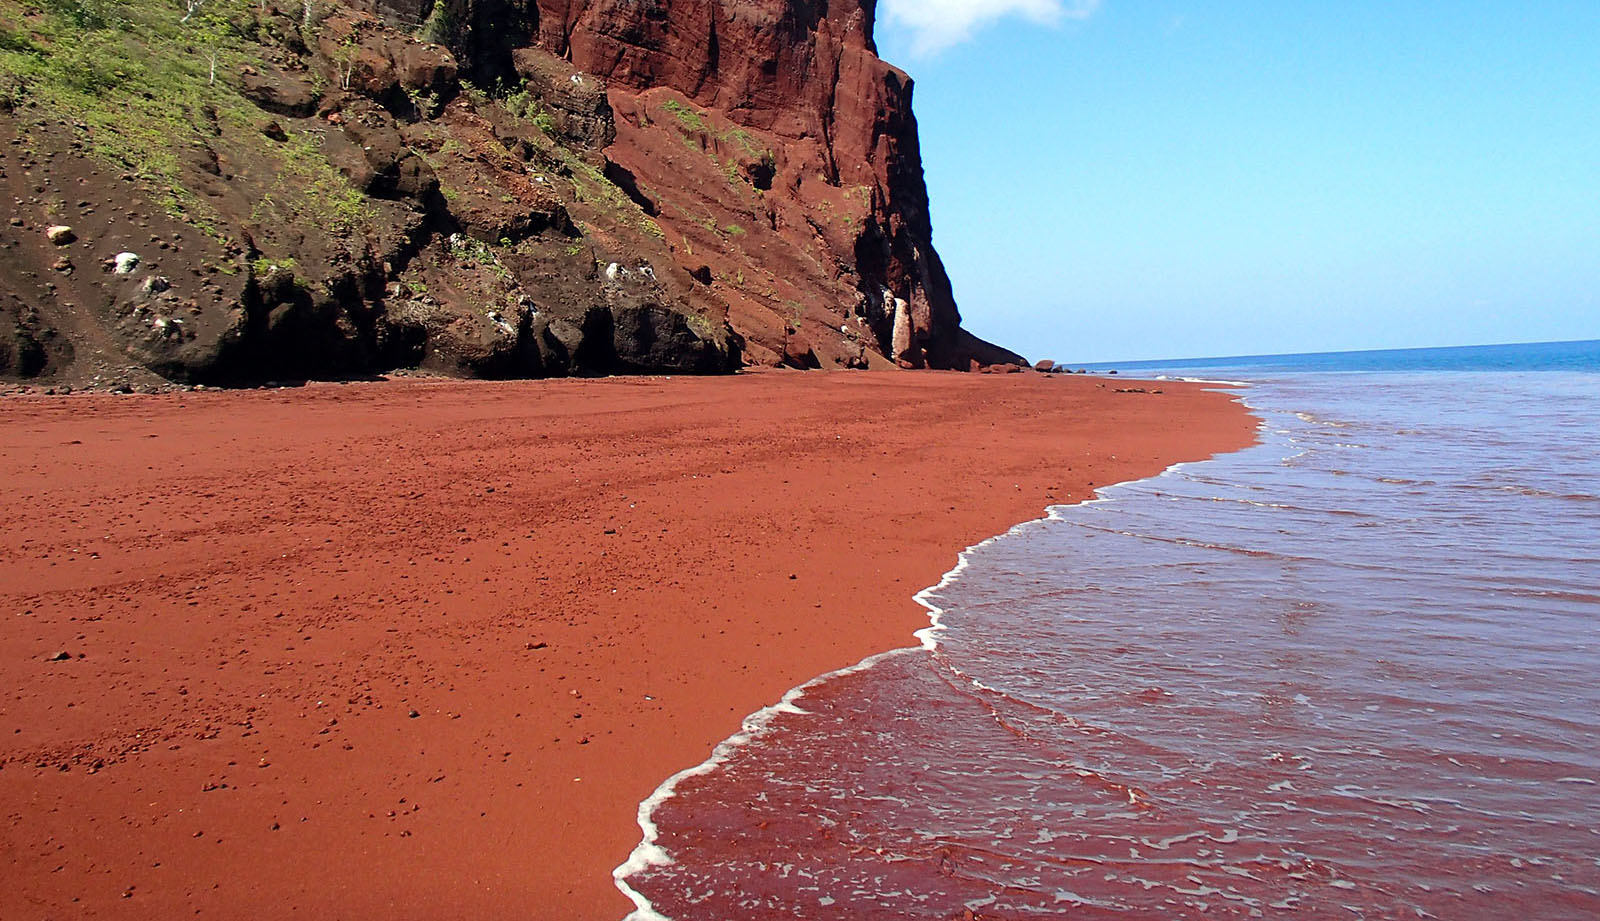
column 1532, row 356
column 1351, row 672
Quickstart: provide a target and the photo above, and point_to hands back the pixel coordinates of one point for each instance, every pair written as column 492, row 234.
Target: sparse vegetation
column 440, row 27
column 704, row 221
column 518, row 102
column 345, row 57
column 688, row 119
column 265, row 266
column 425, row 104
column 590, row 185
column 701, row 325
column 471, row 250
column 141, row 81
column 323, row 195
column 741, row 139
column 694, row 127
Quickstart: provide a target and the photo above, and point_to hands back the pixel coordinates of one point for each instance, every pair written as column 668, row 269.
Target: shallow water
column 1352, row 672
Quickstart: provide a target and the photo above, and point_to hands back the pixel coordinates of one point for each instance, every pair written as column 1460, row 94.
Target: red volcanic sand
column 419, row 649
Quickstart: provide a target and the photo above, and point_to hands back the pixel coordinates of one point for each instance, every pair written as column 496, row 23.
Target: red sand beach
column 419, row 649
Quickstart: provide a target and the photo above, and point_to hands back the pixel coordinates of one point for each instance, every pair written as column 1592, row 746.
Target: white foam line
column 649, row 854
column 1207, row 380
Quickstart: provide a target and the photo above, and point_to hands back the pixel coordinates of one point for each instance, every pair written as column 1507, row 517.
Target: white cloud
column 938, row 24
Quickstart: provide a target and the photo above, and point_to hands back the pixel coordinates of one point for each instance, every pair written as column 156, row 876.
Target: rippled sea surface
column 1353, row 672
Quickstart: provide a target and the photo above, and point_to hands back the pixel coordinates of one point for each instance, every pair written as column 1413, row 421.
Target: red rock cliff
column 782, row 157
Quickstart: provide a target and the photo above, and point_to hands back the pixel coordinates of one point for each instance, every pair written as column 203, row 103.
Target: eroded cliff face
column 834, row 191
column 777, row 151
column 478, row 187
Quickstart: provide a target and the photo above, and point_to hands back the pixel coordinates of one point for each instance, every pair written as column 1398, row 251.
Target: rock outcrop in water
column 474, row 187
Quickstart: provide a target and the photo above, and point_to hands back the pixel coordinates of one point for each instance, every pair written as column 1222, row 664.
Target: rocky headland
column 236, row 191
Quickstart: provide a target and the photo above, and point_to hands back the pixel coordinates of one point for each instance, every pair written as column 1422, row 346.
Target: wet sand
column 418, row 649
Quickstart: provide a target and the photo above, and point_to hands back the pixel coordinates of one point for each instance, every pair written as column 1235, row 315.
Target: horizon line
column 1378, row 351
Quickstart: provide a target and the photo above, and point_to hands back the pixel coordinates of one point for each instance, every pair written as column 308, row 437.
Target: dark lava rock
column 652, row 338
column 280, row 93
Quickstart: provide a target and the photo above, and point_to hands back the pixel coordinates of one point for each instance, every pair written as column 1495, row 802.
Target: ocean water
column 1351, row 672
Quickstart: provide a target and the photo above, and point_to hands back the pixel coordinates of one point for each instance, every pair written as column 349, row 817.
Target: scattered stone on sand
column 1045, row 365
column 60, row 234
column 126, row 263
column 62, row 656
column 62, row 265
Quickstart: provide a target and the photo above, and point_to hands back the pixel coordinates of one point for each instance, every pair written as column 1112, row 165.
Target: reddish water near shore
column 1353, row 672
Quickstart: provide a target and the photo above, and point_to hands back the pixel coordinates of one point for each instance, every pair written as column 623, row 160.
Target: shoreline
column 648, row 853
column 604, row 576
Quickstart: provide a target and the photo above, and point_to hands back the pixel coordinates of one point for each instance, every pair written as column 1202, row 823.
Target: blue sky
column 1158, row 178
